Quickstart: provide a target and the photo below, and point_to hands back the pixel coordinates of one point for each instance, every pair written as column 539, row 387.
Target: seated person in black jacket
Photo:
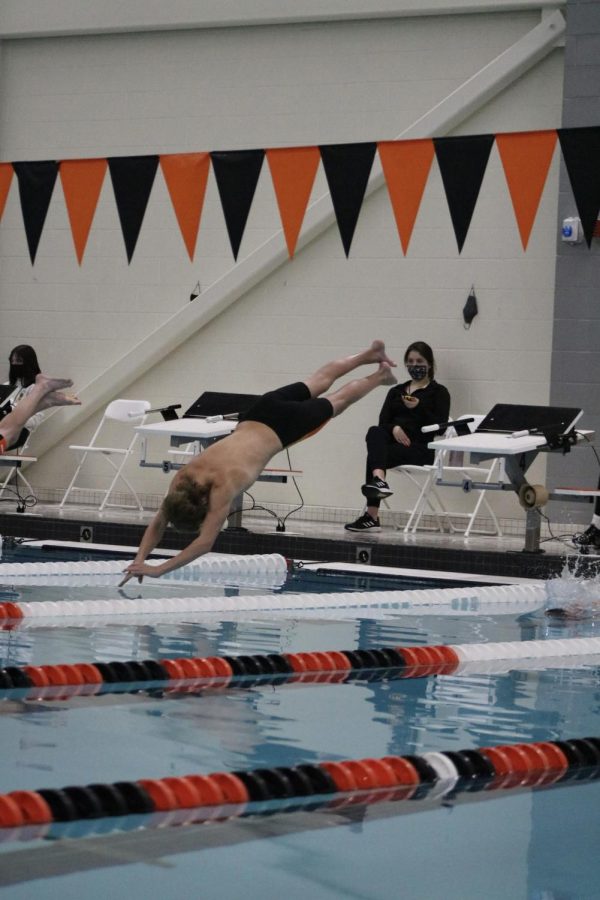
column 398, row 439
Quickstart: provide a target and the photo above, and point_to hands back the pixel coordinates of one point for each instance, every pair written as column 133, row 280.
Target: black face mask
column 417, row 373
column 470, row 309
column 17, row 369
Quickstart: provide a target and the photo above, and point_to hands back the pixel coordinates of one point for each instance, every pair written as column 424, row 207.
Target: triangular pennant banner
column 462, row 162
column 132, row 179
column 526, row 158
column 581, row 153
column 406, row 166
column 82, row 181
column 6, row 174
column 186, row 175
column 36, row 183
column 293, row 172
column 236, row 172
column 347, row 167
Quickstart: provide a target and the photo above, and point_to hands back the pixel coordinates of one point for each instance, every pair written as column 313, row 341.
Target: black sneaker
column 364, row 523
column 376, row 489
column 588, row 539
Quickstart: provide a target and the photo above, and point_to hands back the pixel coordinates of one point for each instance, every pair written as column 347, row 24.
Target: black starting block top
column 507, row 418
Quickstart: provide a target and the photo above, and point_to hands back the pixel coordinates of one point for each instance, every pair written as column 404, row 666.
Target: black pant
column 21, row 440
column 384, row 452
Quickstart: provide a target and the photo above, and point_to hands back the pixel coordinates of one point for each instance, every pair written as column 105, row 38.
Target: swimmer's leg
column 37, row 398
column 360, row 387
column 321, row 380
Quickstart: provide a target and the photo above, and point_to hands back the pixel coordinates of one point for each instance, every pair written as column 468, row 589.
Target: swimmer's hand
column 138, row 570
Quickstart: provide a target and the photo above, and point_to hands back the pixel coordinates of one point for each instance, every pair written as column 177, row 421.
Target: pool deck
column 305, row 540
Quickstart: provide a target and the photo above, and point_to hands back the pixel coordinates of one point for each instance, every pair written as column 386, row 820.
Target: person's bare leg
column 360, row 387
column 45, row 393
column 321, row 380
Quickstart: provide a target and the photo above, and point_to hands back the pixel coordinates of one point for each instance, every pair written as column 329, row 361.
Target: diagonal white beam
column 39, row 18
column 450, row 112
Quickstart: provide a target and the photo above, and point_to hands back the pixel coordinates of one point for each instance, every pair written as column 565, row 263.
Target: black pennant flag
column 462, row 162
column 36, row 183
column 132, row 179
column 347, row 169
column 236, row 172
column 581, row 152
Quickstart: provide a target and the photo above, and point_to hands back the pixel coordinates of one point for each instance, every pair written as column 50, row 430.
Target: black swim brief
column 290, row 412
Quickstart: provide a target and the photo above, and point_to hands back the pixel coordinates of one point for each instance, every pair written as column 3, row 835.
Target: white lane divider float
column 512, row 598
column 270, row 568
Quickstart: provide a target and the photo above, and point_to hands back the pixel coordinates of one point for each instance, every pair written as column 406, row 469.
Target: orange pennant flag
column 526, row 157
column 6, row 174
column 406, row 166
column 186, row 175
column 81, row 182
column 293, row 171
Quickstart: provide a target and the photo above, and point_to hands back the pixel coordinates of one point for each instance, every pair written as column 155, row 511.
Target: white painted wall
column 226, row 88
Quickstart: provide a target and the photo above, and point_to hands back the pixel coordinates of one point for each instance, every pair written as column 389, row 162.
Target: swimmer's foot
column 57, row 398
column 378, row 354
column 52, row 384
column 386, row 376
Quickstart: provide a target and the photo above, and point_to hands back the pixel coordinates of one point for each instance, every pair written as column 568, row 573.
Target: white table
column 186, row 431
column 491, row 445
column 202, row 434
column 179, row 432
column 6, row 459
column 518, row 454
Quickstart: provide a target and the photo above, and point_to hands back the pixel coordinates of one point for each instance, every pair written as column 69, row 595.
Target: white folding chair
column 425, row 478
column 128, row 413
column 17, row 472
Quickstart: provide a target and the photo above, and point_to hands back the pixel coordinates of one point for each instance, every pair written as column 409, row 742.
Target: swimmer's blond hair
column 186, row 505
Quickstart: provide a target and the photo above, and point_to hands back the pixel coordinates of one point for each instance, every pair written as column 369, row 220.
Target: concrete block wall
column 260, row 86
column 576, row 328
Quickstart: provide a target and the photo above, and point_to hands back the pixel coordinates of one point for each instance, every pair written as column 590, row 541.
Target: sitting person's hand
column 400, row 435
column 410, row 401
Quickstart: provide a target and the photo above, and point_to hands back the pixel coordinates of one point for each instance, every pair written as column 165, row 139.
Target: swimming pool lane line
column 469, row 598
column 240, row 615
column 226, row 795
column 199, row 673
column 210, row 563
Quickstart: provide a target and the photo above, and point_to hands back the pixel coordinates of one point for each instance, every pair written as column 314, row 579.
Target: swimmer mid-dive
column 201, row 494
column 45, row 393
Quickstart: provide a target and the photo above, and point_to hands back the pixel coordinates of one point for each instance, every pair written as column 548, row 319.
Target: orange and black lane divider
column 219, row 672
column 10, row 611
column 334, row 784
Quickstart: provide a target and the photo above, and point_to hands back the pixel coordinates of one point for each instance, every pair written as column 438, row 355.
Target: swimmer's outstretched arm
column 151, row 538
column 202, row 544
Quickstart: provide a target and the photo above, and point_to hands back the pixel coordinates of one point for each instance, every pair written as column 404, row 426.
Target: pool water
column 537, row 844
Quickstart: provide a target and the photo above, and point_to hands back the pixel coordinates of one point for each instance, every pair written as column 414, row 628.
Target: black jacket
column 433, row 407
